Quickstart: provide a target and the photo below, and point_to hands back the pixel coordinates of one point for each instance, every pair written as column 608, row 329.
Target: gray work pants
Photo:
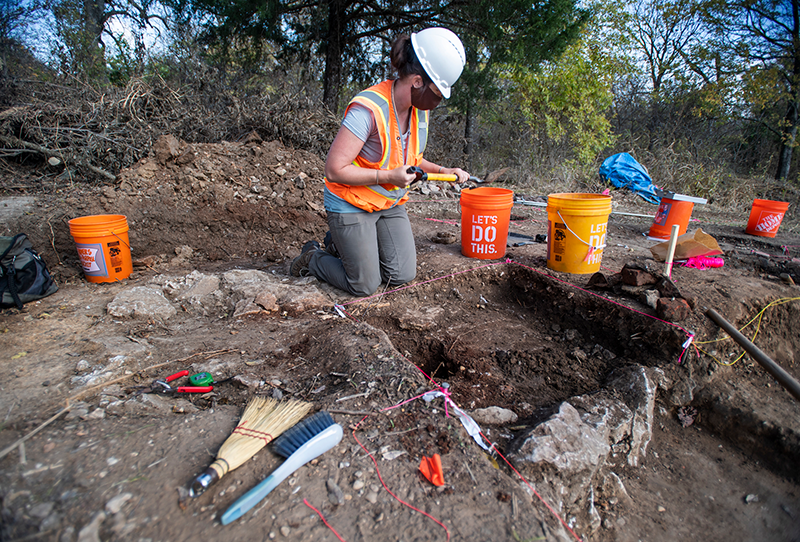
column 373, row 248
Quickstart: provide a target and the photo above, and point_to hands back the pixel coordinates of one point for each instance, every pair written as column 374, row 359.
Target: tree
column 352, row 35
column 84, row 28
column 760, row 41
column 15, row 18
column 663, row 31
column 568, row 101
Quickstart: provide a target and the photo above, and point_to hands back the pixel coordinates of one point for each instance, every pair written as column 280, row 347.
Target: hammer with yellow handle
column 444, row 177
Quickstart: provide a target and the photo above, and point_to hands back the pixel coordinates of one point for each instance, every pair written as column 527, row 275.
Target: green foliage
column 122, row 65
column 567, row 102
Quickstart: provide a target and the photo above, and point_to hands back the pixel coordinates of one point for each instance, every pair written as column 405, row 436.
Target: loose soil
column 511, row 334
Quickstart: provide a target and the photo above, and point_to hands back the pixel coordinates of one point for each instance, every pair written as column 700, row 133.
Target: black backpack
column 23, row 274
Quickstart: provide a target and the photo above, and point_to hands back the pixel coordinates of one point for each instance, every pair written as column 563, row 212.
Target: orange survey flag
column 431, row 468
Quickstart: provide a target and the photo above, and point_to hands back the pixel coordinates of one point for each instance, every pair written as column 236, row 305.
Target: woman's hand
column 399, row 176
column 462, row 175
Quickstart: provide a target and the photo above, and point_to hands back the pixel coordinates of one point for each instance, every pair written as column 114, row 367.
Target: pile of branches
column 82, row 133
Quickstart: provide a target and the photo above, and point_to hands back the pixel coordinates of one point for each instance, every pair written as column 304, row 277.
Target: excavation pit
column 516, row 338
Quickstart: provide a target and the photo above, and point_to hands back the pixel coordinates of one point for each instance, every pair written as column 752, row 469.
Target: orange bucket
column 485, row 213
column 766, row 217
column 671, row 212
column 576, row 231
column 103, row 247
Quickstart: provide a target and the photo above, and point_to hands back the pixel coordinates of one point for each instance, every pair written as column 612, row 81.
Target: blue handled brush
column 305, row 441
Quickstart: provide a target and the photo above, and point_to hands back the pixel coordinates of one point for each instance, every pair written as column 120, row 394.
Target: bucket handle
column 118, row 237
column 592, row 248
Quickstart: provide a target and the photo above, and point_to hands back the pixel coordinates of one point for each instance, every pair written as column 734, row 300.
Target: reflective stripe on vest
column 378, row 100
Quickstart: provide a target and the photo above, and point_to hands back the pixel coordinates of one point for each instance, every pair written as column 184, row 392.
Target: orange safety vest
column 378, row 99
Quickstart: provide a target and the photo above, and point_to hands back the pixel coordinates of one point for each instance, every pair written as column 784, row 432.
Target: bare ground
column 500, row 333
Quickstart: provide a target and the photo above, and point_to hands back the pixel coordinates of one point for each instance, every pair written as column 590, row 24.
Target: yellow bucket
column 103, row 247
column 576, row 232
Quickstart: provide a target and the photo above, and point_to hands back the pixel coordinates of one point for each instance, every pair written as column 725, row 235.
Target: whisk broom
column 263, row 420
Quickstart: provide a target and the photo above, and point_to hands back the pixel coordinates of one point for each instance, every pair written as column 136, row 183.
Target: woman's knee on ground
column 364, row 288
column 403, row 276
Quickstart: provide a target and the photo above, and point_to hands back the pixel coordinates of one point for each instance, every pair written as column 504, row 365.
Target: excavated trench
column 511, row 337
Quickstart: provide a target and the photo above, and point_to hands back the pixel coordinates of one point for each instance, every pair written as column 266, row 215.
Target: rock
column 751, row 498
column 166, row 148
column 115, row 505
column 182, row 254
column 598, row 281
column 573, row 444
column 147, row 404
column 141, row 302
column 96, row 414
column 51, row 522
column 267, row 301
column 673, row 309
column 41, row 510
column 371, row 496
column 257, row 286
column 201, row 287
column 638, row 391
column 414, row 319
column 146, row 261
column 286, row 530
column 575, row 449
column 682, row 393
column 494, row 415
column 650, row 298
column 246, row 307
column 335, row 493
column 91, row 531
column 444, row 238
column 358, row 484
column 79, row 409
column 636, row 277
column 667, row 288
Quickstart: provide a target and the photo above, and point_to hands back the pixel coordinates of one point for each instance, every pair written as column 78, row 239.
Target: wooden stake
column 673, row 240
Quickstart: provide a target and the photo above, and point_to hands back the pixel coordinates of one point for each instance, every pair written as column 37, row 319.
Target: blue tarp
column 623, row 171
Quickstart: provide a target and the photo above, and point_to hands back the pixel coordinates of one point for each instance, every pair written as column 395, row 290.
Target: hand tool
column 305, row 441
column 450, row 177
column 162, row 386
column 263, row 419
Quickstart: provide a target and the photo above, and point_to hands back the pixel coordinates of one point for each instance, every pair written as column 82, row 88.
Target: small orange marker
column 431, row 468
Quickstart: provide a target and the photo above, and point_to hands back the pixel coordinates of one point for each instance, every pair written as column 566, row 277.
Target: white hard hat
column 442, row 55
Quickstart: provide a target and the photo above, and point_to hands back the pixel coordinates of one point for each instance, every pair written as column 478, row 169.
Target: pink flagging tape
column 328, row 525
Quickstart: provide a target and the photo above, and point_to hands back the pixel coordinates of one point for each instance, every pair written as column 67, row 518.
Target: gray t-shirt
column 361, row 122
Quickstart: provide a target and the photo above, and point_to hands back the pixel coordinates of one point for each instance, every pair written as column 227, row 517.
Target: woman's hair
column 404, row 59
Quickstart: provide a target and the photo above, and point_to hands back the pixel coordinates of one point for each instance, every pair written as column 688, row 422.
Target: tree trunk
column 788, row 138
column 468, row 135
column 94, row 13
column 333, row 54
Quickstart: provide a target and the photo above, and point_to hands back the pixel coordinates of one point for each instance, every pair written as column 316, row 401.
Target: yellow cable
column 759, row 316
